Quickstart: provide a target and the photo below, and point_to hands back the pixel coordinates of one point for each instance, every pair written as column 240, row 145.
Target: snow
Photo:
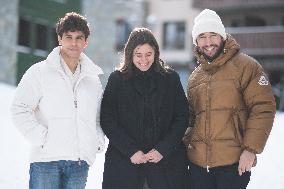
column 14, row 158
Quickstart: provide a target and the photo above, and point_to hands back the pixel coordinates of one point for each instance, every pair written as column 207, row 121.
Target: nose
column 208, row 41
column 143, row 59
column 74, row 42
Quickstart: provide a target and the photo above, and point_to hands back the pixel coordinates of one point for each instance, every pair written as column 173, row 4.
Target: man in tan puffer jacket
column 232, row 105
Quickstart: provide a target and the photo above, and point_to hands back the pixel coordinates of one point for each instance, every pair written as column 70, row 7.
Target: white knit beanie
column 207, row 21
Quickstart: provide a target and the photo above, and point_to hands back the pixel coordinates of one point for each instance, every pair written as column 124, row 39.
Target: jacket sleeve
column 179, row 124
column 260, row 103
column 25, row 105
column 100, row 133
column 109, row 121
column 191, row 121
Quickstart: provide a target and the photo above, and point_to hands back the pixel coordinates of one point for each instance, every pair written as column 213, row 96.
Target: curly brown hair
column 140, row 36
column 72, row 21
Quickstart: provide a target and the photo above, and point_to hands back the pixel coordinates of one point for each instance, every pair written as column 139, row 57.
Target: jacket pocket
column 238, row 128
column 186, row 137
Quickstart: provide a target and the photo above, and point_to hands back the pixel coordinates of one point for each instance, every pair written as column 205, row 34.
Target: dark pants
column 131, row 176
column 223, row 177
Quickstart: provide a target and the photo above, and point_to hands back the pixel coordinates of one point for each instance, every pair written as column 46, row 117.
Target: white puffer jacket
column 59, row 123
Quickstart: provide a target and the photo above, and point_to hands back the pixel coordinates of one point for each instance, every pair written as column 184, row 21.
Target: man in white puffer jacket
column 56, row 107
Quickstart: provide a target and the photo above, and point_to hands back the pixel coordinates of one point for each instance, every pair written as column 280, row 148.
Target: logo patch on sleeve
column 263, row 81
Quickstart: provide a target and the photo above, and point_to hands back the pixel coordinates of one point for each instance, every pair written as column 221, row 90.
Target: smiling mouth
column 209, row 49
column 143, row 65
column 73, row 49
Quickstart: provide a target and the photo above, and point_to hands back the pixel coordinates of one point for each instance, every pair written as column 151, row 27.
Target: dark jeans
column 58, row 175
column 223, row 177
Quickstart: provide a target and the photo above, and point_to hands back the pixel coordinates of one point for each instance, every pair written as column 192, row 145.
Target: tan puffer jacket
column 233, row 108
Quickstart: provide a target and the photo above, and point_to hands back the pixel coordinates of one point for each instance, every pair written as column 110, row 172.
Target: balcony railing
column 222, row 4
column 259, row 41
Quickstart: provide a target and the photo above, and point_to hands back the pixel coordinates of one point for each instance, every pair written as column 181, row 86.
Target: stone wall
column 102, row 15
column 8, row 40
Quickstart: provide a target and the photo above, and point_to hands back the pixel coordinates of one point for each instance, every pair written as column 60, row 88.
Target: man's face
column 209, row 43
column 72, row 44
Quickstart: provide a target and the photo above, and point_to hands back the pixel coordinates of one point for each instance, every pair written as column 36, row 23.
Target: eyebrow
column 69, row 35
column 141, row 53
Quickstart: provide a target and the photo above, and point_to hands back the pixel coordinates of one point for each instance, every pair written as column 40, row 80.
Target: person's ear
column 86, row 42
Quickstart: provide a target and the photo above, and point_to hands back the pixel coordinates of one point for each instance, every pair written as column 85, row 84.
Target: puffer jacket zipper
column 75, row 101
column 207, row 124
column 76, row 113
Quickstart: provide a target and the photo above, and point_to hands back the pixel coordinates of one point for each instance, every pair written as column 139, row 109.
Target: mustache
column 213, row 45
column 202, row 49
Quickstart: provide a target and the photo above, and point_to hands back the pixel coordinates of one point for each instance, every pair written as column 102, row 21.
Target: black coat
column 121, row 120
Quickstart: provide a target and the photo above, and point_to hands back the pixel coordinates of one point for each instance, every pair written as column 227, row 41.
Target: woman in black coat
column 144, row 114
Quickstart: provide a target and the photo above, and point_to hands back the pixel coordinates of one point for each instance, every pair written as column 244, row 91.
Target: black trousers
column 223, row 177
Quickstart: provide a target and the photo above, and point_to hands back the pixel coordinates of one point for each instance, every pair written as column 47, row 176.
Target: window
column 235, row 23
column 24, row 33
column 41, row 37
column 60, row 1
column 122, row 31
column 254, row 21
column 174, row 35
column 54, row 38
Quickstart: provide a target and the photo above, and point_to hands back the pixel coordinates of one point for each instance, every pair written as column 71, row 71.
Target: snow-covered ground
column 14, row 166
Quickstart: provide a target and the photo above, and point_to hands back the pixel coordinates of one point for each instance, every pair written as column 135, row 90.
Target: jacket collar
column 231, row 47
column 88, row 67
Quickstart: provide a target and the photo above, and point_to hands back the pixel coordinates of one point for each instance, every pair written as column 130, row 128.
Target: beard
column 218, row 52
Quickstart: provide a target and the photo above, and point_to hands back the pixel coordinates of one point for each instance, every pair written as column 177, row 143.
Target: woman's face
column 143, row 57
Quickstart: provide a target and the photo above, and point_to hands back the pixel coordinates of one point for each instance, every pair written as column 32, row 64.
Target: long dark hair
column 140, row 36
